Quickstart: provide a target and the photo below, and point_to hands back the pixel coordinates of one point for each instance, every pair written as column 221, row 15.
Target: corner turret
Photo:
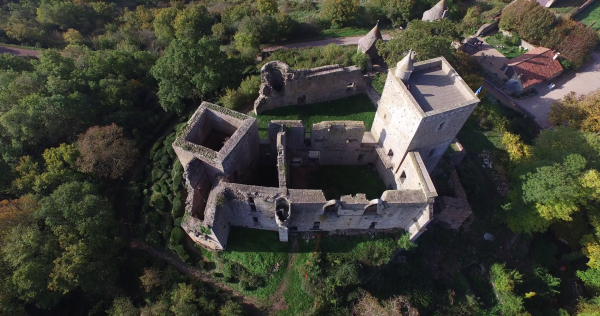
column 405, row 67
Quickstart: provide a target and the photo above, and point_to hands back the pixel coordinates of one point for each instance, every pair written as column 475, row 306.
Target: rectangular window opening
column 361, row 157
column 255, row 220
column 372, row 225
column 316, row 225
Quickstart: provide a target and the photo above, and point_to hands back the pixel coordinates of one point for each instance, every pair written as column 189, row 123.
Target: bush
column 178, row 221
column 181, row 252
column 340, row 12
column 177, row 235
column 177, row 210
column 360, row 60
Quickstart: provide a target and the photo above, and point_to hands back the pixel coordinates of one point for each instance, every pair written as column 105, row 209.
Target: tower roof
column 406, row 64
column 367, row 41
column 438, row 12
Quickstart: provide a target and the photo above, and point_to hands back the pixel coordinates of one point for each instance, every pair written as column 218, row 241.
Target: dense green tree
column 193, row 23
column 428, row 39
column 340, row 12
column 549, row 186
column 73, row 249
column 122, row 306
column 183, row 300
column 65, row 15
column 267, row 6
column 232, row 15
column 164, row 25
column 193, row 70
column 231, row 308
column 16, row 63
column 59, row 167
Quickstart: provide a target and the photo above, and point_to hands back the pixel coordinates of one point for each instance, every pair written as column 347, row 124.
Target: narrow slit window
column 442, row 125
column 252, row 205
column 431, row 153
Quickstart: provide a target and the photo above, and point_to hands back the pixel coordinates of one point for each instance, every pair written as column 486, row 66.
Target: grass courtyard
column 590, row 15
column 355, row 108
column 336, row 181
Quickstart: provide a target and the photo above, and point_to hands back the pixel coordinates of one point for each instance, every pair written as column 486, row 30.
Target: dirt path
column 250, row 304
column 19, row 51
column 276, row 299
column 350, row 40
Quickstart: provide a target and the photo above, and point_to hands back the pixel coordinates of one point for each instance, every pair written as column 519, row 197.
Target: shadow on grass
column 354, row 108
column 336, row 181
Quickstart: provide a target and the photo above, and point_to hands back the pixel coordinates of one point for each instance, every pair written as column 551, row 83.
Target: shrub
column 177, row 210
column 181, row 252
column 360, row 60
column 158, row 201
column 178, row 221
column 340, row 12
column 232, row 99
column 177, row 235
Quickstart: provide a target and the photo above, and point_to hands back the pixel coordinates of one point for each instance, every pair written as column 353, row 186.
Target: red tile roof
column 536, row 66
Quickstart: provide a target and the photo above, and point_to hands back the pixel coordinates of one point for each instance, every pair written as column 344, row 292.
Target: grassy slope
column 355, row 108
column 258, row 251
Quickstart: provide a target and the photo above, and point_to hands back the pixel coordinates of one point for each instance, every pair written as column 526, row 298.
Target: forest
column 91, row 194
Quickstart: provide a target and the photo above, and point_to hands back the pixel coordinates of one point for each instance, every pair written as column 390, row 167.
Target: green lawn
column 509, row 52
column 566, row 7
column 590, row 15
column 355, row 108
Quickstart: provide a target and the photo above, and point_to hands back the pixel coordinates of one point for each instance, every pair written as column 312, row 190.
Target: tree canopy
column 191, row 70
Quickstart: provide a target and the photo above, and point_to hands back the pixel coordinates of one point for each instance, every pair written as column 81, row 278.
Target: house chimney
column 555, row 56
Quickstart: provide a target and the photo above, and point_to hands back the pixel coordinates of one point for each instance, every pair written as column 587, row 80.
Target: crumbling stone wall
column 335, row 142
column 282, row 86
column 404, row 142
column 232, row 204
column 239, row 155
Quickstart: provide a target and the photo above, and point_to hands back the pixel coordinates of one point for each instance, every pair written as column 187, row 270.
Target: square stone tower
column 422, row 108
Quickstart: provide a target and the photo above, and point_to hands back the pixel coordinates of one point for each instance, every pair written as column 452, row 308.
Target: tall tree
column 193, row 23
column 428, row 39
column 105, row 151
column 73, row 249
column 191, row 70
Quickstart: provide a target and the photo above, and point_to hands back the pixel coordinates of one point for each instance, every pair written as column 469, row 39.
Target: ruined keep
column 417, row 117
column 282, row 86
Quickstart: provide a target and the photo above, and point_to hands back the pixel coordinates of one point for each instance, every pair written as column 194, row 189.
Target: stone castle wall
column 232, row 204
column 282, row 86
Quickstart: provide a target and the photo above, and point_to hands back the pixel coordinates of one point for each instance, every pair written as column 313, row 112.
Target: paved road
column 586, row 80
column 19, row 51
column 350, row 40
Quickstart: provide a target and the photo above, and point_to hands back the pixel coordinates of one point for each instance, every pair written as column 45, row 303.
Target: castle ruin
column 421, row 110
